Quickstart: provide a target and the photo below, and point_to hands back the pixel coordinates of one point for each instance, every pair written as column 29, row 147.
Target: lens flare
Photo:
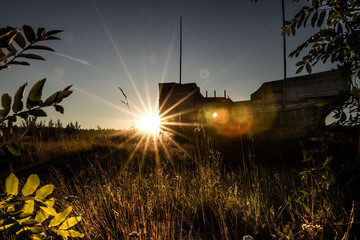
column 204, row 73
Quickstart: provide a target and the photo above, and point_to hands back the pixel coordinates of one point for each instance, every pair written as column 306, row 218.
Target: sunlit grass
column 194, row 199
column 186, row 195
column 146, row 182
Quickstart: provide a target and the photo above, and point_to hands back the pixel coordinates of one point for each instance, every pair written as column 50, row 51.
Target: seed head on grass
column 70, row 198
column 311, row 228
column 248, row 237
column 134, row 234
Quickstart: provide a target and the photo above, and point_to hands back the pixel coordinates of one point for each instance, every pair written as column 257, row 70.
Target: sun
column 150, row 122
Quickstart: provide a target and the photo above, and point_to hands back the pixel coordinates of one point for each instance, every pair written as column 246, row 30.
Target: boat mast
column 180, row 48
column 284, row 38
column 284, row 51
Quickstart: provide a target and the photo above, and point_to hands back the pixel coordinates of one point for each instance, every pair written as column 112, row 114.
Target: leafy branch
column 9, row 53
column 337, row 39
column 31, row 213
column 34, row 106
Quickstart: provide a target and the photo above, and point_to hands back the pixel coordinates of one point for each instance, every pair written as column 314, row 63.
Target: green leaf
column 63, row 94
column 20, row 40
column 300, row 63
column 20, row 63
column 4, row 226
column 44, row 191
column 305, row 20
column 308, row 67
column 14, row 148
column 67, row 88
column 59, row 109
column 49, row 210
column 11, row 184
column 29, row 222
column 40, row 32
column 32, row 56
column 36, row 237
column 12, row 50
column 29, row 33
column 2, row 54
column 23, row 115
column 339, row 27
column 34, row 97
column 314, row 18
column 28, row 208
column 37, row 113
column 4, row 59
column 25, row 198
column 60, row 217
column 52, row 99
column 36, row 230
column 301, row 20
column 321, row 18
column 6, row 104
column 53, row 32
column 31, row 184
column 18, row 99
column 50, row 38
column 40, row 47
column 293, row 31
column 50, row 202
column 74, row 234
column 299, row 69
column 68, row 223
column 64, row 234
column 24, row 215
column 42, row 215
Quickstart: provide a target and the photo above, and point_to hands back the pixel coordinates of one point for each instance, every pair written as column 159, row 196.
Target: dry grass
column 183, row 193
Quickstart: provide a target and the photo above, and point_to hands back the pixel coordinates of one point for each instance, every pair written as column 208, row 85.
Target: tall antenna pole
column 180, row 48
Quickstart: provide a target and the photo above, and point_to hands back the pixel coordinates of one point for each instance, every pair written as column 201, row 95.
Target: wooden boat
column 282, row 109
column 288, row 108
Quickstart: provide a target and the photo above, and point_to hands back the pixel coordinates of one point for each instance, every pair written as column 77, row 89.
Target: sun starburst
column 150, row 122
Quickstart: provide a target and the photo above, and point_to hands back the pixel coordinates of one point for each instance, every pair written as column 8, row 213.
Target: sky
column 227, row 45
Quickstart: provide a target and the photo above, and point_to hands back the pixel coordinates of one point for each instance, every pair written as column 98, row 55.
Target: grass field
column 121, row 183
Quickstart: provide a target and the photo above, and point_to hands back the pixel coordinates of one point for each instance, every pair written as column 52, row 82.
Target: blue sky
column 106, row 44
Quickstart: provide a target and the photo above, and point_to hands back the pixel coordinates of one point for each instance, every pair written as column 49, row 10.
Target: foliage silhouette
column 337, row 40
column 30, row 42
column 9, row 55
